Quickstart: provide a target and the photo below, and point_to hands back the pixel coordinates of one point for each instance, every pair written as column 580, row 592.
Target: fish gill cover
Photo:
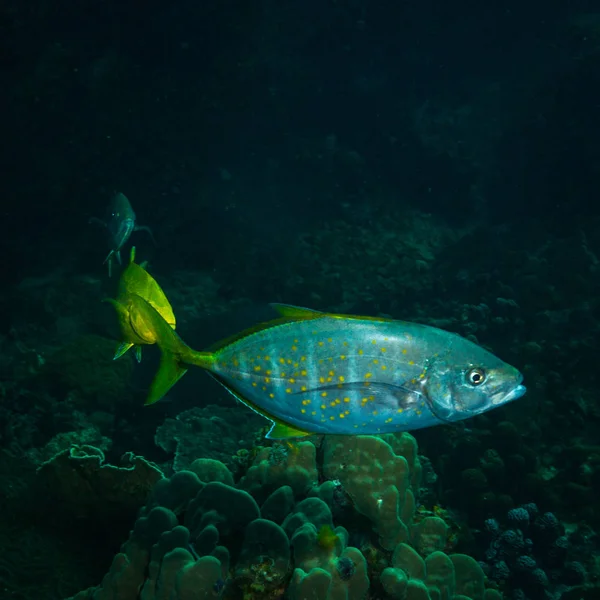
column 431, row 167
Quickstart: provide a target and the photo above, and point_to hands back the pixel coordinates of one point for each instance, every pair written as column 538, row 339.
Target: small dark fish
column 120, row 224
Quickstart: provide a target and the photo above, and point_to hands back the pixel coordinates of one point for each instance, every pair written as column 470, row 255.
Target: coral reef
column 287, row 527
column 527, row 555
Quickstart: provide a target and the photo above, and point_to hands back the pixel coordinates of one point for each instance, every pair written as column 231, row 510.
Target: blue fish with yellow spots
column 311, row 372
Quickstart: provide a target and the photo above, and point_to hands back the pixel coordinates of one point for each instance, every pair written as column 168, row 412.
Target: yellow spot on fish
column 346, row 400
column 375, row 413
column 337, row 401
column 400, row 410
column 331, row 373
column 364, row 401
column 342, row 415
column 282, row 374
column 383, row 367
column 332, row 418
column 282, row 361
column 268, row 371
column 288, row 390
column 236, row 362
column 373, row 341
column 368, row 375
column 321, row 343
column 302, row 410
column 294, row 348
column 404, row 351
column 289, row 361
column 304, row 373
column 321, row 379
column 329, row 340
column 303, row 388
column 389, row 420
column 303, row 358
column 291, row 380
column 324, row 394
column 411, row 362
column 375, row 362
column 271, row 395
column 313, row 413
column 267, row 358
column 384, row 349
column 342, row 357
column 257, row 368
column 267, row 380
column 332, row 403
column 344, row 343
column 360, row 352
column 419, row 412
column 305, row 402
column 323, row 406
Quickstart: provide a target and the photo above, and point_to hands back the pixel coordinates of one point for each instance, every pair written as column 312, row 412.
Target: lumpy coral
column 274, row 533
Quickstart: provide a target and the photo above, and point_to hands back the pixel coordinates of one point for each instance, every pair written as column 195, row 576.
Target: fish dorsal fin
column 298, row 313
column 288, row 311
column 287, row 314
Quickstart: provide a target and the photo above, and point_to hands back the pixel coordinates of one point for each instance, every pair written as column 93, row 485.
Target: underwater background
column 427, row 161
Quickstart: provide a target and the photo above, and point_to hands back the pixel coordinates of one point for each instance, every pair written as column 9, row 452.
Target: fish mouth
column 515, row 393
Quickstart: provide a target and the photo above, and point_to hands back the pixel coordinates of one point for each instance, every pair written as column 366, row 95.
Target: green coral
column 202, row 536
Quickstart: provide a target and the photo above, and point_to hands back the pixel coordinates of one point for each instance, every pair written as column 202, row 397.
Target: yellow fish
column 135, row 331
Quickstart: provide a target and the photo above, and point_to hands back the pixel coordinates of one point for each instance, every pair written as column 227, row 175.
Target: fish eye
column 476, row 376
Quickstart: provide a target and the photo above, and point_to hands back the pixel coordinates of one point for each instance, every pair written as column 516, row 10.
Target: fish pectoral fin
column 386, row 395
column 138, row 353
column 281, row 431
column 121, row 349
column 296, row 312
column 96, row 221
column 147, row 230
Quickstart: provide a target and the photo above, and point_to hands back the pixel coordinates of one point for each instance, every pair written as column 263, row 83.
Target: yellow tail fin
column 176, row 355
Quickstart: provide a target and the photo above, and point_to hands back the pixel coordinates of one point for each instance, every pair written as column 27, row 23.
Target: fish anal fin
column 169, row 373
column 281, row 431
column 289, row 311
